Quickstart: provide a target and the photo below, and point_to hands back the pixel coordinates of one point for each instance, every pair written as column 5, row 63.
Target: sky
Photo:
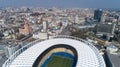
column 62, row 3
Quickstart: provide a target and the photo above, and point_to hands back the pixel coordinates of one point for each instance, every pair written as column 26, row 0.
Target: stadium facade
column 43, row 53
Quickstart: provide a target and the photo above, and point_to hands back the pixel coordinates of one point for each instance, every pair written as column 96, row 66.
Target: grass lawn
column 58, row 61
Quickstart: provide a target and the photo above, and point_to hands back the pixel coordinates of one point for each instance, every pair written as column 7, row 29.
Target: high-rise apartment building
column 45, row 26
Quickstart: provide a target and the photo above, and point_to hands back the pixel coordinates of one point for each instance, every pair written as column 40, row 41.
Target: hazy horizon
column 61, row 3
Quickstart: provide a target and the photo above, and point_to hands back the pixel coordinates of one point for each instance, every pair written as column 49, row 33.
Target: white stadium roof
column 88, row 56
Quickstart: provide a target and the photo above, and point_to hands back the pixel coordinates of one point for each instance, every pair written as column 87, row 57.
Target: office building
column 98, row 14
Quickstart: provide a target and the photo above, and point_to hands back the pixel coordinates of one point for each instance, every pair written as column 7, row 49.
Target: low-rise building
column 112, row 48
column 40, row 35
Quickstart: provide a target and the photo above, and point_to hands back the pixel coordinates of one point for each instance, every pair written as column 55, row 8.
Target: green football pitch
column 58, row 61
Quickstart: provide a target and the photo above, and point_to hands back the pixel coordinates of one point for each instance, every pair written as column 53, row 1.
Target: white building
column 45, row 26
column 76, row 19
column 88, row 55
column 10, row 50
column 40, row 35
column 112, row 48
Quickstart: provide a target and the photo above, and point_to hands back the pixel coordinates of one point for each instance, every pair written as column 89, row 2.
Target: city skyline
column 61, row 3
column 78, row 33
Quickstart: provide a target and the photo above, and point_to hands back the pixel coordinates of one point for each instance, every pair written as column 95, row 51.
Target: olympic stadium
column 57, row 51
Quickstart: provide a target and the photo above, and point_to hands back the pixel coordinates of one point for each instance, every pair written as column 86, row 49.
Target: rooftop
column 88, row 55
column 115, row 59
